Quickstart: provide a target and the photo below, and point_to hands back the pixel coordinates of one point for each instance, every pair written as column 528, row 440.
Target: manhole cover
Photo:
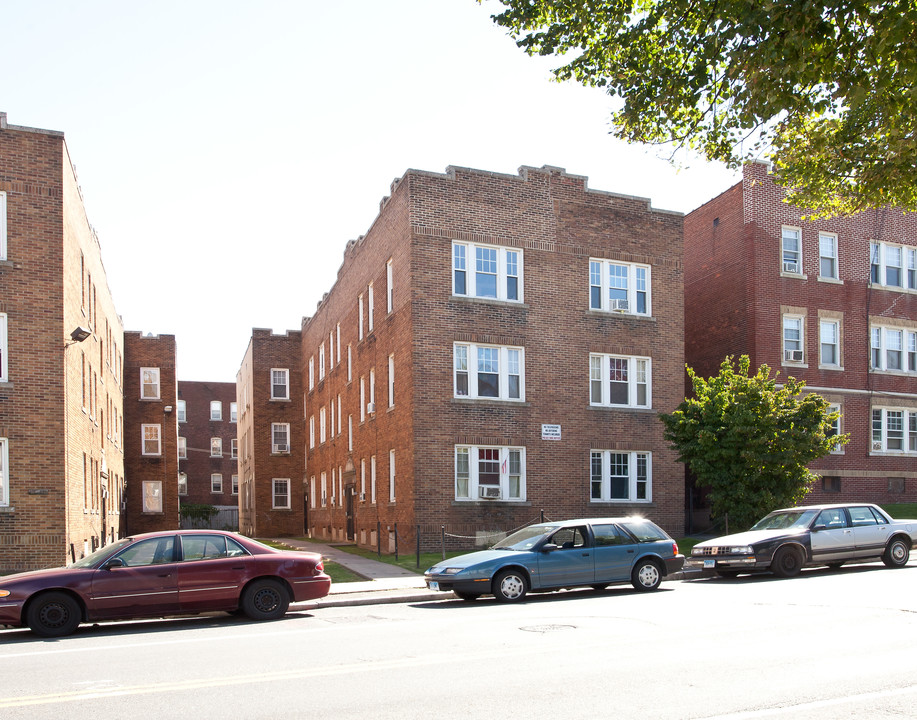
column 547, row 628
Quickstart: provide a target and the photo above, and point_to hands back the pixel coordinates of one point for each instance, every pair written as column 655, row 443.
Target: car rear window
column 644, row 530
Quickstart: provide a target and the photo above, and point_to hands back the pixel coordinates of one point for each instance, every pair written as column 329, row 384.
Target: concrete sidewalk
column 387, row 583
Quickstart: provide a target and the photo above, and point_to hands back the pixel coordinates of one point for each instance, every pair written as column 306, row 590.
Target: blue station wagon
column 594, row 553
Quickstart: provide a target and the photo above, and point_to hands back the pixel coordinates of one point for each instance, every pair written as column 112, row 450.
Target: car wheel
column 728, row 574
column 53, row 614
column 466, row 596
column 265, row 600
column 786, row 563
column 646, row 576
column 510, row 586
column 897, row 553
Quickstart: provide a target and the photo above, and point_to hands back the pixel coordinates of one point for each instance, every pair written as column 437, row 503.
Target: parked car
column 159, row 574
column 552, row 555
column 787, row 540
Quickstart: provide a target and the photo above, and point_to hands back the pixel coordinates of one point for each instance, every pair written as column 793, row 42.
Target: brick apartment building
column 207, row 445
column 831, row 302
column 270, row 431
column 150, row 432
column 61, row 360
column 494, row 347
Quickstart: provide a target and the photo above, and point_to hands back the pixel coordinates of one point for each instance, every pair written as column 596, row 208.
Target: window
column 827, row 256
column 391, row 476
column 829, row 339
column 324, row 489
column 311, row 372
column 149, row 383
column 360, row 317
column 487, row 271
column 894, row 430
column 370, row 305
column 835, row 428
column 182, row 484
column 280, row 437
column 235, row 484
column 893, row 265
column 216, row 483
column 362, row 398
column 4, row 473
column 181, row 411
column 391, row 381
column 321, row 425
column 321, row 363
column 216, row 410
column 216, row 447
column 371, row 408
column 489, row 473
column 233, row 412
column 388, row 287
column 616, row 381
column 363, row 480
column 338, row 339
column 280, row 383
column 792, row 250
column 152, row 496
column 349, row 362
column 793, row 351
column 619, row 287
column 2, row 225
column 893, row 349
column 372, row 479
column 150, row 435
column 182, row 447
column 620, row 476
column 311, row 431
column 487, row 371
column 832, row 485
column 4, row 364
column 281, row 493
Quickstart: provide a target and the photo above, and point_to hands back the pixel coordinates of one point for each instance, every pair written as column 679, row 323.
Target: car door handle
column 631, row 552
column 585, row 554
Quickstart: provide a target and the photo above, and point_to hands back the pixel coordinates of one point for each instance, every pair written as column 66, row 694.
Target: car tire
column 646, row 576
column 466, row 596
column 265, row 600
column 897, row 553
column 786, row 563
column 53, row 614
column 510, row 586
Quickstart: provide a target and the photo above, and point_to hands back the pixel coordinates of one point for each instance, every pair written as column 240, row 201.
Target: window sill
column 830, row 280
column 284, row 400
column 7, row 510
column 831, row 367
column 629, row 408
column 797, row 276
column 619, row 314
column 491, row 301
column 801, row 366
column 463, row 400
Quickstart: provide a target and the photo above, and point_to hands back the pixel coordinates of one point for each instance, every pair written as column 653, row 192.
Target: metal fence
column 225, row 519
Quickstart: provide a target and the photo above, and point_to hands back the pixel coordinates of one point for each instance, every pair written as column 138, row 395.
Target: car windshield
column 102, row 552
column 785, row 520
column 526, row 538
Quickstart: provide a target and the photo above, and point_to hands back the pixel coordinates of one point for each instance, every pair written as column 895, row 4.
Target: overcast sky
column 227, row 150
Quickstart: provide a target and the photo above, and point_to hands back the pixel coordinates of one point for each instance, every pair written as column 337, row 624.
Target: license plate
column 709, row 564
column 433, row 585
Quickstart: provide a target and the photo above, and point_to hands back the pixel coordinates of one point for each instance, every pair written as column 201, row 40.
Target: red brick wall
column 198, row 430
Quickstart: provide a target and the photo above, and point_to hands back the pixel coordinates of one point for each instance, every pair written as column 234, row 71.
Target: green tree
column 825, row 89
column 749, row 440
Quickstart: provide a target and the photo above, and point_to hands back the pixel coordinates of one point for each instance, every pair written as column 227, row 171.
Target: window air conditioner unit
column 790, row 267
column 489, row 492
column 370, row 408
column 362, row 497
column 619, row 305
column 877, row 445
column 283, row 448
column 792, row 355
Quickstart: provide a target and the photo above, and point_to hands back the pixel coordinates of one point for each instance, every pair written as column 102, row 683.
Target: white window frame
column 389, row 279
column 321, row 363
column 182, row 483
column 466, row 364
column 322, row 427
column 360, row 317
column 788, row 358
column 216, row 447
column 467, row 463
column 838, row 426
column 216, row 410
column 881, row 345
column 372, row 479
column 284, row 375
column 311, row 431
column 285, row 493
column 182, row 447
column 879, row 265
column 311, row 372
column 881, row 433
column 791, row 259
column 823, row 325
column 349, row 362
column 233, row 412
column 633, row 477
column 391, row 476
column 157, row 439
column 600, row 378
column 635, row 276
column 3, row 226
column 216, row 483
column 280, row 430
column 151, row 497
column 234, row 448
column 464, row 263
column 234, row 488
column 4, row 360
column 149, row 383
column 370, row 307
column 391, row 380
column 181, row 411
column 4, row 472
column 832, row 258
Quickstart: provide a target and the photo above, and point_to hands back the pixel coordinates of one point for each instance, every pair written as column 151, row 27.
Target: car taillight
column 675, row 548
column 319, row 567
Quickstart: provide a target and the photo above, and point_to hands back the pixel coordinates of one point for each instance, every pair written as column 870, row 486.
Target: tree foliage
column 826, row 89
column 749, row 440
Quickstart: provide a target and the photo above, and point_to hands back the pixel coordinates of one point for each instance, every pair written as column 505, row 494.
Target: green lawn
column 408, row 562
column 905, row 511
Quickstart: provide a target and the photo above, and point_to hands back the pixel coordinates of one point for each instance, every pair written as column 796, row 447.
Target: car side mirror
column 819, row 527
column 548, row 547
column 113, row 563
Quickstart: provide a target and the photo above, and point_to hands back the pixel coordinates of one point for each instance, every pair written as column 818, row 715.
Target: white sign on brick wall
column 550, row 432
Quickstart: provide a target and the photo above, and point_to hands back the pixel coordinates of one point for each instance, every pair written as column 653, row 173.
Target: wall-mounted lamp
column 167, row 409
column 78, row 335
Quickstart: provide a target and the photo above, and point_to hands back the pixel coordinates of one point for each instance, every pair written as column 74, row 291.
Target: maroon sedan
column 179, row 572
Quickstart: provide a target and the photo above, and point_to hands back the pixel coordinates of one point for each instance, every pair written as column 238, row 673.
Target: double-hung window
column 216, row 447
column 321, row 362
column 150, row 438
column 280, row 383
column 827, row 256
column 181, row 411
column 233, row 412
column 893, row 265
column 791, row 250
column 2, row 225
column 216, row 410
column 894, row 430
column 620, row 476
column 619, row 287
column 280, row 437
column 216, row 482
column 893, row 349
column 487, row 271
column 620, row 381
column 489, row 473
column 280, row 493
column 835, row 428
column 4, row 473
column 4, row 363
column 793, row 336
column 829, row 342
column 182, row 448
column 149, row 383
column 489, row 371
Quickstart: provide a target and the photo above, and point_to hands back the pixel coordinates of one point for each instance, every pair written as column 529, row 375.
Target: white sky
column 228, row 150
